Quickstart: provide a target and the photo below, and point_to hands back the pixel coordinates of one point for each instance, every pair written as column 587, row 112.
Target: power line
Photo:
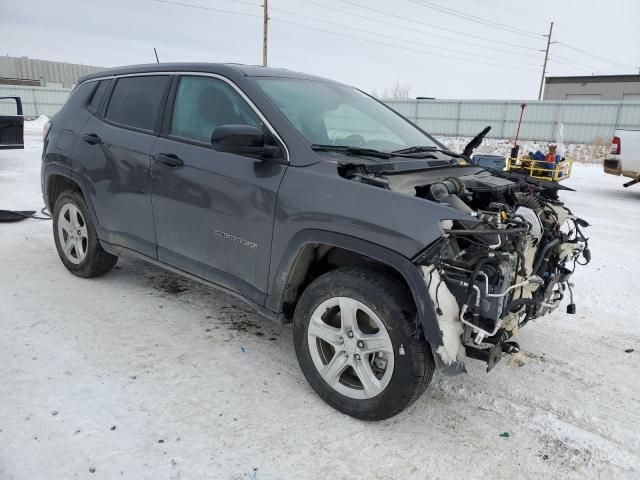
column 401, row 47
column 569, row 62
column 554, row 61
column 475, row 18
column 404, row 27
column 504, row 26
column 245, row 14
column 587, row 38
column 419, row 22
column 584, row 52
column 516, row 12
column 610, row 66
column 242, row 2
column 220, row 10
column 561, row 73
column 572, row 33
column 391, row 37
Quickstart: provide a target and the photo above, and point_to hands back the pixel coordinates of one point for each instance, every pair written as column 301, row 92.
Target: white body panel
column 629, row 157
column 629, row 149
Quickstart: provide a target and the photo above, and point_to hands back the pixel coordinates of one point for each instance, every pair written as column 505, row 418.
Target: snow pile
column 35, row 127
column 579, row 152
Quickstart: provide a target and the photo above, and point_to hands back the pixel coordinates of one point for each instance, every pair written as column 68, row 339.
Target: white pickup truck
column 625, row 156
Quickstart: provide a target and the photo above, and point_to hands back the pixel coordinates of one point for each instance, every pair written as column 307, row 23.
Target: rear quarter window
column 136, row 101
column 98, row 95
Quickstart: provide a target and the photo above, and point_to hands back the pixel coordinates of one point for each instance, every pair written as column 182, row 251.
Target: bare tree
column 398, row 91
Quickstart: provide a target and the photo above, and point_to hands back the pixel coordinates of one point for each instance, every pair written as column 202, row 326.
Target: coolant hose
column 518, row 303
column 542, row 254
column 474, row 275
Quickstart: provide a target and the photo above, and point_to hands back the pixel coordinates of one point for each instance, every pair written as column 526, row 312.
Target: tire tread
column 394, row 294
column 98, row 262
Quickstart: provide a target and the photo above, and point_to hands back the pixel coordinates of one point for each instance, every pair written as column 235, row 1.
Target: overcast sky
column 410, row 41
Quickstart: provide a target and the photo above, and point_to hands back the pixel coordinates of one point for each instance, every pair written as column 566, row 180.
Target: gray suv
column 317, row 205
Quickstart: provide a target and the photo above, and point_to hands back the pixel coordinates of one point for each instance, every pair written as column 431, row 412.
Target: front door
column 11, row 123
column 113, row 157
column 213, row 211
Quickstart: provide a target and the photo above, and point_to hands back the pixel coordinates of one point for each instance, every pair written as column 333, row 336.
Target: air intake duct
column 447, row 191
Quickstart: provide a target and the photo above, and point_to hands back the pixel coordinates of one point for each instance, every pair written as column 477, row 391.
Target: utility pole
column 546, row 57
column 265, row 32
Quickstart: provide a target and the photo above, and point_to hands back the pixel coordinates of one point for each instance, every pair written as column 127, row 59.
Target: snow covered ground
column 141, row 374
column 579, row 152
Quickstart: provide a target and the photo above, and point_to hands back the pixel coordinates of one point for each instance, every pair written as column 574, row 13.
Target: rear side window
column 203, row 103
column 98, row 94
column 136, row 101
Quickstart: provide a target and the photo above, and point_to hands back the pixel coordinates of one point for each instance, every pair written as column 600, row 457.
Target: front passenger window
column 203, row 103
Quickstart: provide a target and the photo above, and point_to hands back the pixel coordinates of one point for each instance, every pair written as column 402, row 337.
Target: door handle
column 169, row 159
column 91, row 138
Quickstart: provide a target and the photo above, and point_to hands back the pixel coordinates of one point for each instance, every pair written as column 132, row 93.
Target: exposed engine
column 510, row 266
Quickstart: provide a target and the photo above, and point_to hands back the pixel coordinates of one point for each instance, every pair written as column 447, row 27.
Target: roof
column 594, row 79
column 227, row 69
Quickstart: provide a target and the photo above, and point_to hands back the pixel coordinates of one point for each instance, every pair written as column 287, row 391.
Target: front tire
column 357, row 343
column 76, row 238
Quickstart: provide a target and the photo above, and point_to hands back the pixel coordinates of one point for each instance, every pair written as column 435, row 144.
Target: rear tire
column 76, row 238
column 371, row 363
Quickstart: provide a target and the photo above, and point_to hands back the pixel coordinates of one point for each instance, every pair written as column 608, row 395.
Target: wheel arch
column 303, row 262
column 58, row 183
column 58, row 179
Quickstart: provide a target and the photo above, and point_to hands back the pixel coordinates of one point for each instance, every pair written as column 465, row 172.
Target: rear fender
column 51, row 169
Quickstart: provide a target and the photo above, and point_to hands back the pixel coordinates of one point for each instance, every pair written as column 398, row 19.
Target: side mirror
column 243, row 140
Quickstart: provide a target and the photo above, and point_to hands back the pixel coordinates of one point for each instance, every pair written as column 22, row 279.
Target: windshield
column 331, row 114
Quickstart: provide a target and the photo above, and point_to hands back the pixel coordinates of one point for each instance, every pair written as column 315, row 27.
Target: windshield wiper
column 351, row 150
column 427, row 149
column 409, row 152
column 417, row 149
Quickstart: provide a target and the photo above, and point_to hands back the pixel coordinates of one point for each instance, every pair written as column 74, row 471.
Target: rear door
column 11, row 123
column 213, row 211
column 113, row 157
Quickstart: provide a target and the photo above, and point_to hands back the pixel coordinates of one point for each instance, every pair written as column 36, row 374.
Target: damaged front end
column 490, row 277
column 509, row 263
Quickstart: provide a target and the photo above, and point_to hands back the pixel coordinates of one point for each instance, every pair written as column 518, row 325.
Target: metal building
column 583, row 121
column 594, row 87
column 41, row 73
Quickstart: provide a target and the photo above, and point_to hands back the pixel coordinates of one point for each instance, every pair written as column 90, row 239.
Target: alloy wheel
column 350, row 348
column 72, row 233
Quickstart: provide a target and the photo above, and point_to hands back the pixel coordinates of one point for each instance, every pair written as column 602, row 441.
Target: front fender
column 409, row 271
column 317, row 205
column 318, row 198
